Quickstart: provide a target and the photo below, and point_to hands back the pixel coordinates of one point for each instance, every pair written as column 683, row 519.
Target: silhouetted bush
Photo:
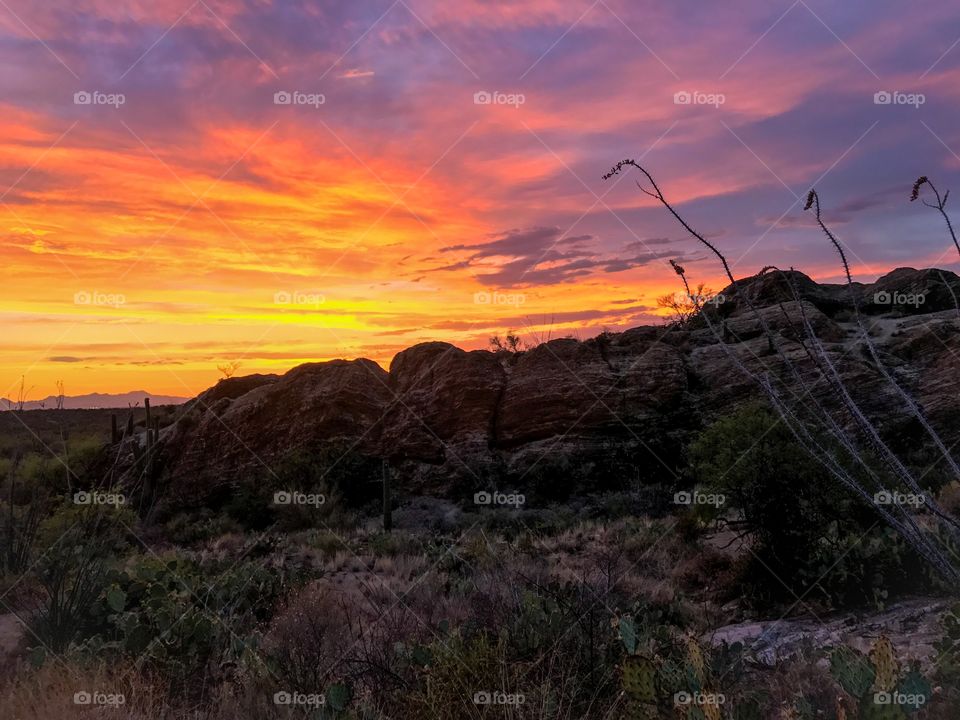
column 810, row 536
column 346, row 479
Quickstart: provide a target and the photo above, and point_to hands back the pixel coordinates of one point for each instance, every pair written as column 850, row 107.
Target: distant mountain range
column 97, row 400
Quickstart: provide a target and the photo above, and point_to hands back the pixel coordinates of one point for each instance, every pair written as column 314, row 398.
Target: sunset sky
column 164, row 211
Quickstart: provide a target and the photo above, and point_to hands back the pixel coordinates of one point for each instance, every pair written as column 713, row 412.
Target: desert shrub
column 536, row 617
column 371, row 640
column 786, row 500
column 81, row 544
column 467, row 673
column 75, row 458
column 327, row 543
column 460, row 669
column 49, row 692
column 866, row 568
column 183, row 617
column 808, row 531
column 204, row 525
column 354, row 475
column 504, row 521
column 307, row 638
column 347, row 480
column 18, row 532
column 620, row 467
column 20, row 517
column 40, row 470
column 250, row 503
column 393, row 544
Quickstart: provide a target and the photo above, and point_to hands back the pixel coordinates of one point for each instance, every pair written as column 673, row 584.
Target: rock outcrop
column 912, row 626
column 444, row 415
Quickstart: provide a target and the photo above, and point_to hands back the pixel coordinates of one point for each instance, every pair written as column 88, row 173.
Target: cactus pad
column 639, row 679
column 915, row 686
column 628, row 634
column 671, row 678
column 696, row 662
column 852, row 670
column 885, row 665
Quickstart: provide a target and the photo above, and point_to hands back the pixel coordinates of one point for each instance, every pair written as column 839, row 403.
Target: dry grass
column 49, row 694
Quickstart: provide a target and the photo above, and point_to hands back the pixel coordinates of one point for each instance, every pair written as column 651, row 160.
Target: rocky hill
column 616, row 407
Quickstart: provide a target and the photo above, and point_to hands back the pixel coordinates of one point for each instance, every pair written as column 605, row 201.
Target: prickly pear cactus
column 638, row 677
column 885, row 665
column 634, row 710
column 695, row 663
column 852, row 671
column 914, row 686
column 671, row 678
column 878, row 683
column 628, row 634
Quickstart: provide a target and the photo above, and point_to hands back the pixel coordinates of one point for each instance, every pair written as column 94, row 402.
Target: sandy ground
column 11, row 632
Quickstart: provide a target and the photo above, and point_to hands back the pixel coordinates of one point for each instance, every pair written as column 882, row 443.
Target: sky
column 186, row 186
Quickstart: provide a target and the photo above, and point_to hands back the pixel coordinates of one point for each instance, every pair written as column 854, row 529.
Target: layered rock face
column 446, row 417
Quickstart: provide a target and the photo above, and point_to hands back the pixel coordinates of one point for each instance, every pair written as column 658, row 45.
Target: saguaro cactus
column 387, row 509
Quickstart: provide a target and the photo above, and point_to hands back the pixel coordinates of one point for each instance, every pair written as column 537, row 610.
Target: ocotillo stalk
column 146, row 406
column 387, row 509
column 114, row 430
column 130, row 425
